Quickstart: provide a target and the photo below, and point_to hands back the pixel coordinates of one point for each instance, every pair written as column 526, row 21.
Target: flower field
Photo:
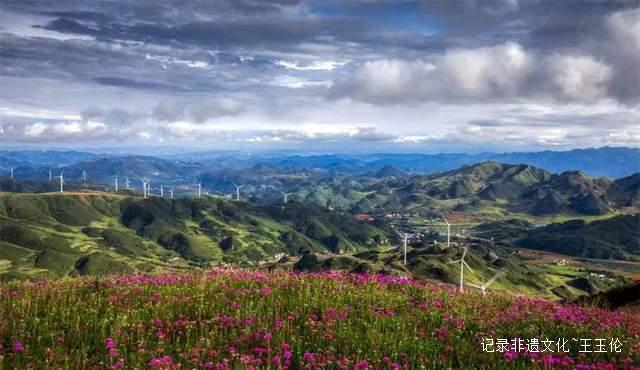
column 240, row 319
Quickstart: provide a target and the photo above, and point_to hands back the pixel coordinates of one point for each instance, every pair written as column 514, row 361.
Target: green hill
column 616, row 238
column 49, row 235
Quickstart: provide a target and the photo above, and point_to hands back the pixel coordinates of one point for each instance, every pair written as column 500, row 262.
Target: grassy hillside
column 239, row 319
column 48, row 235
column 615, row 238
column 610, row 238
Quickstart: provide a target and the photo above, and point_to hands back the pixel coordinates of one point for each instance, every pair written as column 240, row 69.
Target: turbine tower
column 115, row 179
column 171, row 193
column 144, row 188
column 463, row 264
column 61, row 177
column 161, row 191
column 84, row 176
column 50, row 175
column 484, row 287
column 405, row 237
column 12, row 173
column 238, row 187
column 199, row 190
column 127, row 183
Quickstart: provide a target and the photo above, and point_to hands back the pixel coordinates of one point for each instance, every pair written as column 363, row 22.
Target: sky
column 378, row 75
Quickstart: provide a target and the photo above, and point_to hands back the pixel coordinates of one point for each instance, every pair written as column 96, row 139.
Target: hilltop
column 489, row 190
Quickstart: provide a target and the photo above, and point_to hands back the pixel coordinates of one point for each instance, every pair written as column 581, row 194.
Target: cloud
column 249, row 70
column 621, row 48
column 326, row 65
column 576, row 78
column 198, row 111
column 304, row 133
column 58, row 131
column 505, row 71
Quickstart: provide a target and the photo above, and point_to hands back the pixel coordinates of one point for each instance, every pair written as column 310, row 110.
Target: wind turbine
column 12, row 173
column 61, row 177
column 285, row 195
column 50, row 175
column 127, row 183
column 171, row 193
column 144, row 188
column 463, row 264
column 149, row 188
column 484, row 287
column 448, row 229
column 405, row 238
column 161, row 191
column 238, row 187
column 199, row 190
column 84, row 176
column 115, row 179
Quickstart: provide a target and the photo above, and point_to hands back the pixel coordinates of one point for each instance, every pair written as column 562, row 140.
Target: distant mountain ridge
column 614, row 162
column 597, row 162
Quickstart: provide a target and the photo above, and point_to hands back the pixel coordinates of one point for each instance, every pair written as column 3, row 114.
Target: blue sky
column 424, row 75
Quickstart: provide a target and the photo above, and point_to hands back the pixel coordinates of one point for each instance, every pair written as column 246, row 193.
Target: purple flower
column 309, row 357
column 18, row 347
column 110, row 344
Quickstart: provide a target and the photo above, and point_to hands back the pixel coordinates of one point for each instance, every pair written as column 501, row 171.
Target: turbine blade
column 493, row 279
column 456, row 261
column 467, row 265
column 474, row 285
column 464, row 252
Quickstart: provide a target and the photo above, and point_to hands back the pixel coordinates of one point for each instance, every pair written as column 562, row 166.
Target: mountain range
column 596, row 162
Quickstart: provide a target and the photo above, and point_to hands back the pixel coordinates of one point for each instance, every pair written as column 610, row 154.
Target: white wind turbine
column 199, row 189
column 61, row 177
column 50, row 175
column 127, row 183
column 115, row 179
column 285, row 196
column 12, row 173
column 144, row 188
column 84, row 176
column 171, row 193
column 484, row 287
column 463, row 264
column 405, row 237
column 161, row 191
column 238, row 187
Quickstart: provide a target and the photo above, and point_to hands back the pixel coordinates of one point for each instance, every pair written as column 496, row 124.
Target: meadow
column 244, row 319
